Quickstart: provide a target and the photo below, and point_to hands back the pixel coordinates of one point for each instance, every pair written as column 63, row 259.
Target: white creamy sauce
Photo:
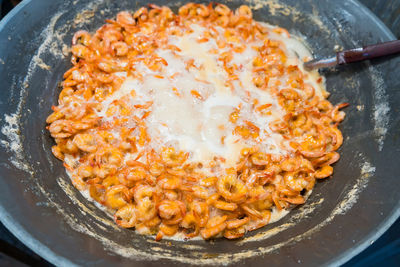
column 198, row 122
column 202, row 126
column 276, row 214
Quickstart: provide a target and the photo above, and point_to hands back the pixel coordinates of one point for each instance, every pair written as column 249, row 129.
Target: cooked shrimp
column 234, row 233
column 209, row 232
column 126, row 216
column 172, row 212
column 231, row 188
column 212, row 172
column 125, row 19
column 169, row 182
column 232, row 224
column 85, row 142
column 120, row 48
column 61, row 129
column 116, row 196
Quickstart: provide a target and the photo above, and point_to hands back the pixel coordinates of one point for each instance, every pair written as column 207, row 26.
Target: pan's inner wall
column 341, row 213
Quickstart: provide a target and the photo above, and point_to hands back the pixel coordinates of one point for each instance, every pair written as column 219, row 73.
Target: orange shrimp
column 126, row 216
column 172, row 212
column 231, row 188
column 104, row 122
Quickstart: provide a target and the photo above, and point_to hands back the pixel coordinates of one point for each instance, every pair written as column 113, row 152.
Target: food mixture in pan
column 201, row 123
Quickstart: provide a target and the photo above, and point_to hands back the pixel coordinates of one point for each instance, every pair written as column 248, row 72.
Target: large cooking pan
column 343, row 215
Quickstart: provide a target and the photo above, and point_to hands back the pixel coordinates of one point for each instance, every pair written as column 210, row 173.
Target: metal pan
column 342, row 217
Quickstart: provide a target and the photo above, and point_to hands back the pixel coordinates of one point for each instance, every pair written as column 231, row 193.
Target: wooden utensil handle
column 368, row 52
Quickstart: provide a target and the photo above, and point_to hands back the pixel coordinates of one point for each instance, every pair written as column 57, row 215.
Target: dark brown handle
column 368, row 52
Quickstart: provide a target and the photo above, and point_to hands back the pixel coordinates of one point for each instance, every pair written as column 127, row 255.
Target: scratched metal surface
column 388, row 11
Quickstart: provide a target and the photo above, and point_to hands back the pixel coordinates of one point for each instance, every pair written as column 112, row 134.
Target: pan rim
column 390, row 220
column 6, row 219
column 45, row 252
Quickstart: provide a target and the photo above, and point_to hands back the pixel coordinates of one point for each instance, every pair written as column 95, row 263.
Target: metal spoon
column 356, row 55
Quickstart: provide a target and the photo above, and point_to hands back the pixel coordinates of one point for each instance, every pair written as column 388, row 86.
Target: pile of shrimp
column 160, row 191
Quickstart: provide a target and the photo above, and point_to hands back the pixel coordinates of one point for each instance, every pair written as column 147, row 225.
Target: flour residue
column 381, row 107
column 303, row 212
column 276, row 7
column 83, row 17
column 72, row 194
column 51, row 40
column 10, row 129
column 367, row 170
column 13, row 143
column 48, row 44
column 41, row 63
